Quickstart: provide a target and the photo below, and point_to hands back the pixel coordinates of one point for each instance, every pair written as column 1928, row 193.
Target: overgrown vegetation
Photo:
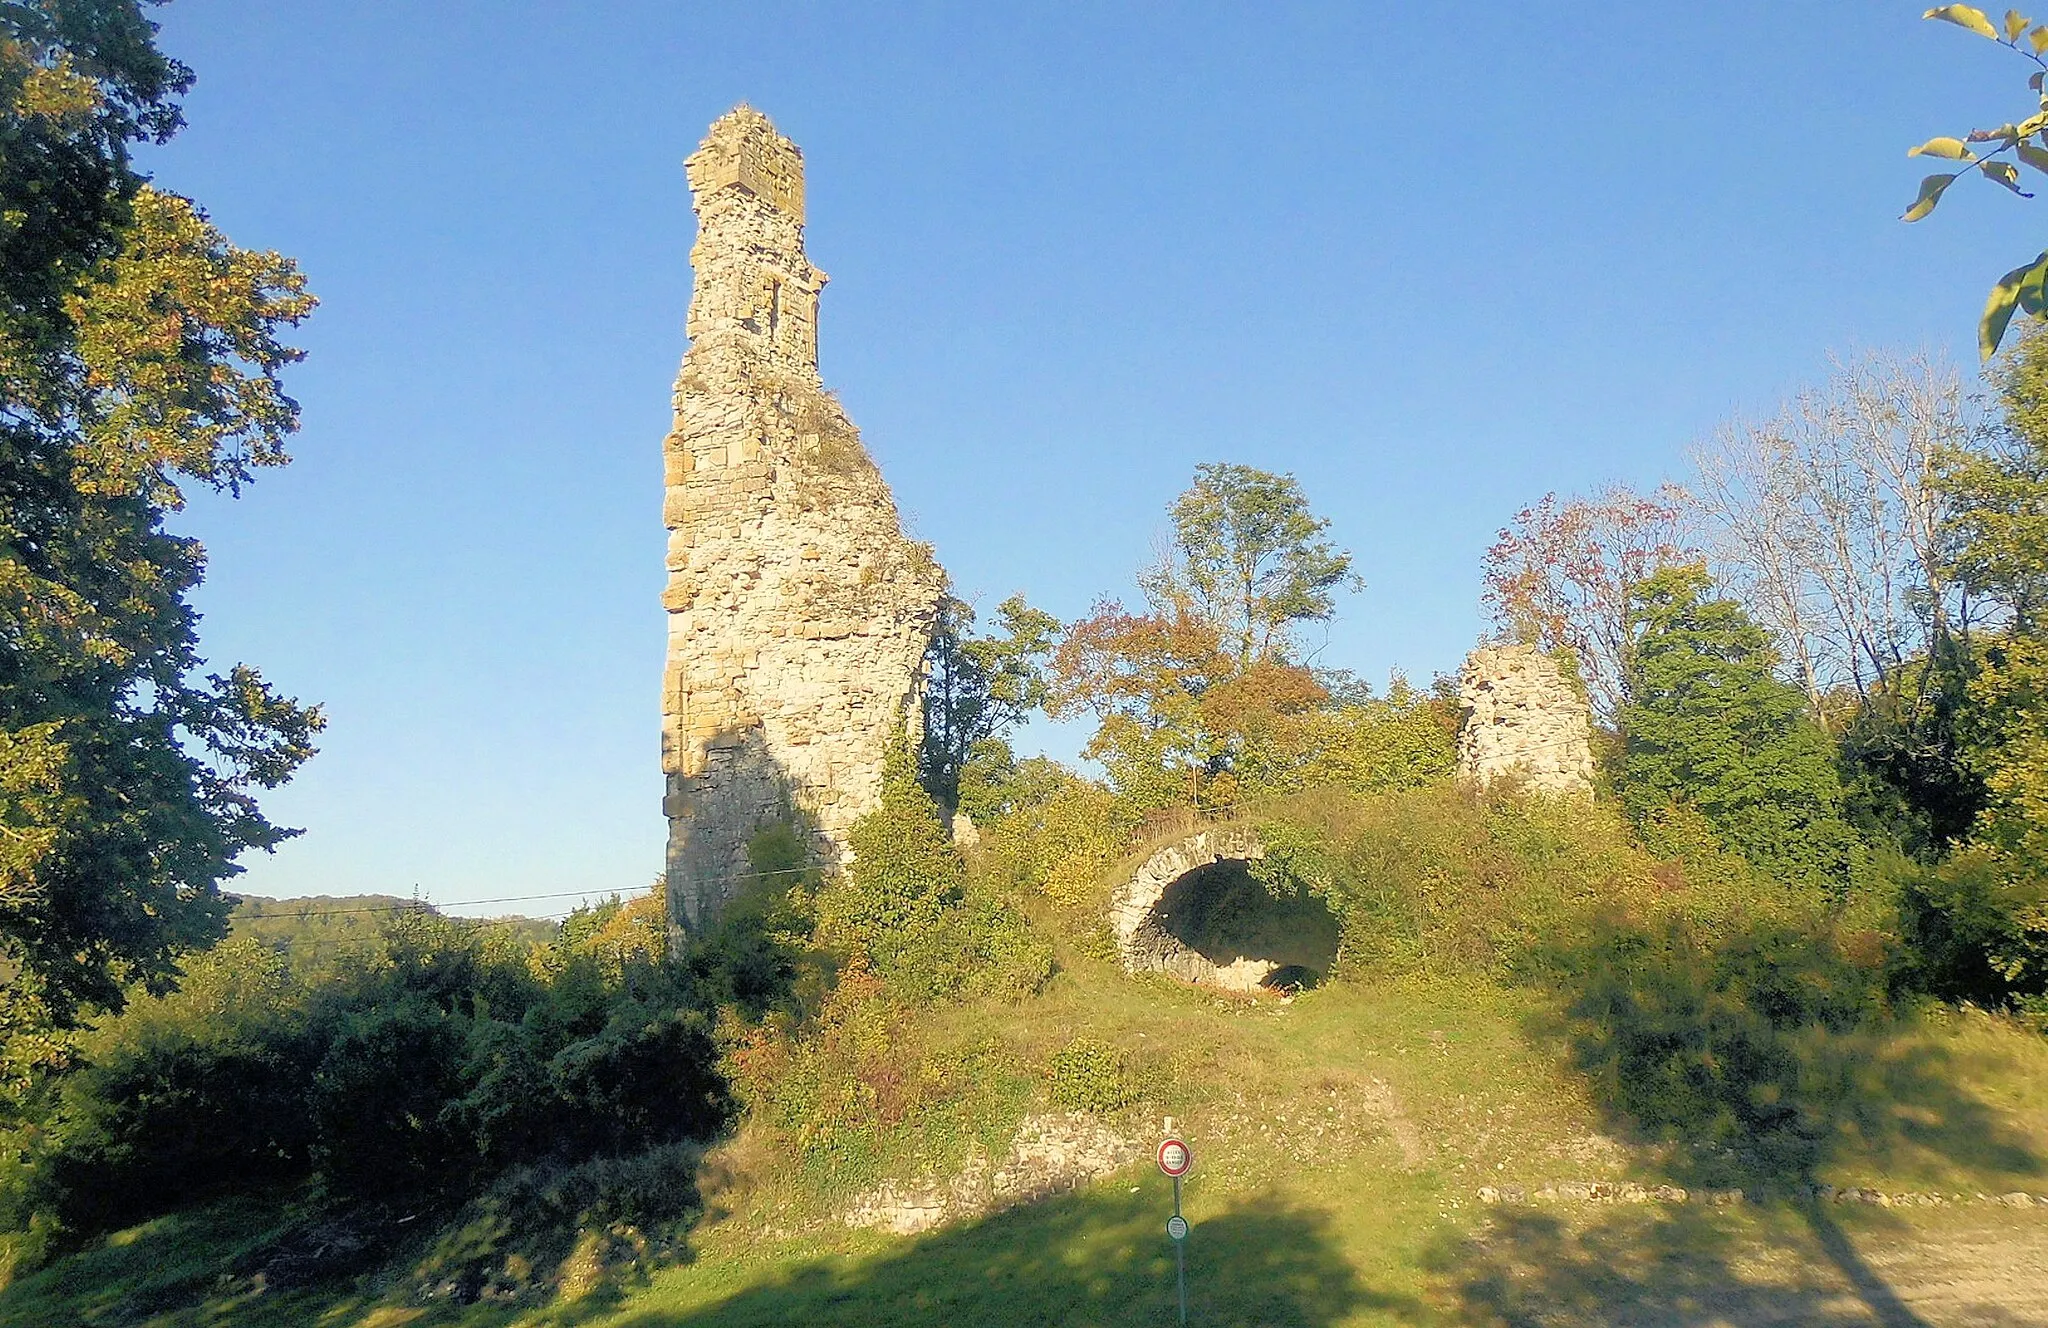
column 1810, row 893
column 443, row 1061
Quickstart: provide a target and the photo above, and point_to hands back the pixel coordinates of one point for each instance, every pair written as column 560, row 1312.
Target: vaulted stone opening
column 1247, row 935
column 1197, row 910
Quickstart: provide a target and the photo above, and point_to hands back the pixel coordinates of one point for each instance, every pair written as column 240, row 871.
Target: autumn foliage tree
column 1559, row 576
column 1213, row 669
column 139, row 351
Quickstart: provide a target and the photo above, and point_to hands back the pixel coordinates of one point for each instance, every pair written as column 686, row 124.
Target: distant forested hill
column 318, row 928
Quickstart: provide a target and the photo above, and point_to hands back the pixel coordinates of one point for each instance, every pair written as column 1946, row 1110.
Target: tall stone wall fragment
column 798, row 612
column 1523, row 719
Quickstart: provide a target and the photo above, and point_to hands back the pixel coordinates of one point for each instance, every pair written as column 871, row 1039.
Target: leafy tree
column 1251, row 559
column 1559, row 578
column 1212, row 669
column 2026, row 286
column 80, row 80
column 1911, row 774
column 138, row 350
column 1826, row 519
column 906, row 911
column 2000, row 537
column 1710, row 727
column 979, row 688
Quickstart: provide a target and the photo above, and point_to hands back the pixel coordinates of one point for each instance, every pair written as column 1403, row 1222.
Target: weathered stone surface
column 1142, row 940
column 1050, row 1153
column 798, row 613
column 1524, row 720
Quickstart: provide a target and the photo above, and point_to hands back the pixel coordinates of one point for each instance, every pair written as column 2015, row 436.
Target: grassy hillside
column 1343, row 1140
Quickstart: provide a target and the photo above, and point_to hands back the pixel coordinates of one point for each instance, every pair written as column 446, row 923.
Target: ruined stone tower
column 798, row 613
column 1523, row 719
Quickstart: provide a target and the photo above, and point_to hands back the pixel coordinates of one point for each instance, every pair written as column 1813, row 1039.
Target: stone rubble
column 1629, row 1192
column 798, row 612
column 1049, row 1154
column 1523, row 719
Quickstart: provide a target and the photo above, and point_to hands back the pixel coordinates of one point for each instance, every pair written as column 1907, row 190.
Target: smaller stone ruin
column 1193, row 909
column 1523, row 720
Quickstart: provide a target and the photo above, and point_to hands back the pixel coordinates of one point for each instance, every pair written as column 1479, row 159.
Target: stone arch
column 1193, row 909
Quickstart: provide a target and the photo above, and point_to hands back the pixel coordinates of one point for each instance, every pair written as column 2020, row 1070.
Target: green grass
column 1340, row 1143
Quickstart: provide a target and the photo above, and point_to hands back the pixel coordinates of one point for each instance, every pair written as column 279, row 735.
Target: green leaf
column 1930, row 193
column 1951, row 148
column 2032, row 297
column 2015, row 24
column 1964, row 16
column 2005, row 173
column 1998, row 310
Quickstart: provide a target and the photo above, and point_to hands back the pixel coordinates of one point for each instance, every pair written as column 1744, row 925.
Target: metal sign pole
column 1175, row 1159
column 1180, row 1262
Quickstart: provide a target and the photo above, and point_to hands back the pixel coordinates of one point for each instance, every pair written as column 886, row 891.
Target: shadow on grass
column 171, row 1270
column 1751, row 1060
column 1665, row 1269
column 1761, row 1057
column 1088, row 1259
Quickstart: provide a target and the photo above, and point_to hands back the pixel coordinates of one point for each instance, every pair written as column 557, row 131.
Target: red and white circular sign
column 1175, row 1157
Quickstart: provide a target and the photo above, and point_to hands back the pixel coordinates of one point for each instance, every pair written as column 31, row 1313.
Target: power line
column 421, row 905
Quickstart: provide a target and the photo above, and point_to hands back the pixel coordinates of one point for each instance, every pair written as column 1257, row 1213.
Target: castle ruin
column 798, row 612
column 1523, row 719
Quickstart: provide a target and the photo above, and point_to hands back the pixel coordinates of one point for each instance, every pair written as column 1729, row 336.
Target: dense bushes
column 908, row 909
column 409, row 1073
column 1749, row 1046
column 180, row 1094
column 1974, row 931
column 867, row 1080
column 1443, row 880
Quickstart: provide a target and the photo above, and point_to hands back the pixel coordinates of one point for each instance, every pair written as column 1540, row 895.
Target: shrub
column 1749, row 1046
column 412, row 1074
column 1060, row 836
column 1976, row 930
column 1089, row 1075
column 906, row 909
column 381, row 1103
column 1407, row 740
column 1442, row 880
column 182, row 1095
column 650, row 1077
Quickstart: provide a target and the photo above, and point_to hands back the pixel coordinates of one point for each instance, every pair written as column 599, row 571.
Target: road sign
column 1175, row 1157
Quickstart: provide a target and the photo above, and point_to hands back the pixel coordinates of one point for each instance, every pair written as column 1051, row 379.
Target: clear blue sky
column 1434, row 260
